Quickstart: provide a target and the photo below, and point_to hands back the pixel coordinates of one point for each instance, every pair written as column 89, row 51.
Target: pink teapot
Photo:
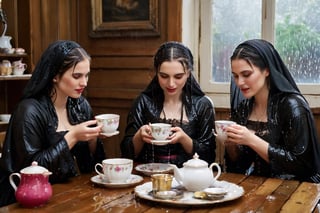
column 34, row 188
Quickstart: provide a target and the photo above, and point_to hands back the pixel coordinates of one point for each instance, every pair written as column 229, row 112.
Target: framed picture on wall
column 125, row 18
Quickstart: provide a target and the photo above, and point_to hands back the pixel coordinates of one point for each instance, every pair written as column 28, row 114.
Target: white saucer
column 160, row 142
column 110, row 134
column 154, row 168
column 131, row 181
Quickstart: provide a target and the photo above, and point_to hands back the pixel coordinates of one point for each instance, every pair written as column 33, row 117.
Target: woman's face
column 73, row 81
column 249, row 78
column 172, row 78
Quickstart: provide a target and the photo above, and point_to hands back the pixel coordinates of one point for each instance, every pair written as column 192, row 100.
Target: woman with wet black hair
column 53, row 123
column 174, row 97
column 275, row 134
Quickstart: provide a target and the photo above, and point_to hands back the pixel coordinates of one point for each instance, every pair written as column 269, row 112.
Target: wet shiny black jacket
column 200, row 114
column 293, row 146
column 31, row 136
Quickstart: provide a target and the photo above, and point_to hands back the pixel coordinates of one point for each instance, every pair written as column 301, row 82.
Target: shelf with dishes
column 13, row 66
column 13, row 55
column 15, row 77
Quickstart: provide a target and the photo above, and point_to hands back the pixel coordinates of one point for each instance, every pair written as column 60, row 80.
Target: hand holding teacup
column 220, row 126
column 160, row 131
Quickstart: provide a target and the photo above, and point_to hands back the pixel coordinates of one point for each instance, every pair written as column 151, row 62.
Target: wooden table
column 261, row 195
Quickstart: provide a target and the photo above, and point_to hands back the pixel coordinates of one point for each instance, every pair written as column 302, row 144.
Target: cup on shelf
column 115, row 170
column 19, row 50
column 5, row 70
column 5, row 117
column 19, row 70
column 5, row 67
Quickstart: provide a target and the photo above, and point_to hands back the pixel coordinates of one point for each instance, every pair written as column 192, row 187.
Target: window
column 291, row 25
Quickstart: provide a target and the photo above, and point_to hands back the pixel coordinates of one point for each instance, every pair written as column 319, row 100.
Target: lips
column 171, row 90
column 79, row 90
column 244, row 90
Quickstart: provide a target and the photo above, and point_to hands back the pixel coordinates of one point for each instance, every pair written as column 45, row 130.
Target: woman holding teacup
column 173, row 97
column 53, row 123
column 275, row 134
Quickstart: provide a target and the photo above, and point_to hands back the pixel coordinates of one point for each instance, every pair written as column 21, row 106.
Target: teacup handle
column 96, row 168
column 214, row 132
column 12, row 182
column 219, row 170
column 24, row 66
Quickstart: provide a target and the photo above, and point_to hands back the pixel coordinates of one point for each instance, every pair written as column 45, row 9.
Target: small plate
column 131, row 181
column 154, row 168
column 172, row 194
column 110, row 134
column 160, row 142
column 215, row 191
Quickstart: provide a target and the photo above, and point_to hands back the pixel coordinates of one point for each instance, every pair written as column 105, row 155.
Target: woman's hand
column 145, row 133
column 239, row 134
column 83, row 132
column 179, row 136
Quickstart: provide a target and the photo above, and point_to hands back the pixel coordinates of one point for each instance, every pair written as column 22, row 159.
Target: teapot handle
column 219, row 170
column 12, row 182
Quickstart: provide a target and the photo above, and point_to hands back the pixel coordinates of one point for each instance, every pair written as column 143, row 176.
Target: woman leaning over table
column 173, row 96
column 53, row 123
column 275, row 134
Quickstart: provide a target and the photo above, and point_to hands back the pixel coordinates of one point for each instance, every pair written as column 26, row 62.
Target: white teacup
column 220, row 126
column 19, row 67
column 18, row 70
column 109, row 122
column 160, row 131
column 115, row 170
column 5, row 117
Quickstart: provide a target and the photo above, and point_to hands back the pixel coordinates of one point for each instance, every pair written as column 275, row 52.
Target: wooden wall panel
column 123, row 66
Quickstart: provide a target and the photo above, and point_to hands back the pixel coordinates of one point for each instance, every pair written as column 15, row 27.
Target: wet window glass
column 297, row 38
column 296, row 34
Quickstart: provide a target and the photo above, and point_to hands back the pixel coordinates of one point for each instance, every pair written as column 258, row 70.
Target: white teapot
column 195, row 174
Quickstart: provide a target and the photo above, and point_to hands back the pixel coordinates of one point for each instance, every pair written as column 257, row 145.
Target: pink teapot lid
column 34, row 169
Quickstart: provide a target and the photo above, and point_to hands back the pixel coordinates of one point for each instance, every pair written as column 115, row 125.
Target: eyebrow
column 174, row 74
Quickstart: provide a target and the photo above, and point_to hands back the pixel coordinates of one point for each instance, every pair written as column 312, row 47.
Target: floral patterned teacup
column 220, row 126
column 109, row 122
column 160, row 131
column 115, row 170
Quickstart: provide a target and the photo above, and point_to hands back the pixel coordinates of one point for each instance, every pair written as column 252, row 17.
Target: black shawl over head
column 280, row 77
column 281, row 81
column 47, row 68
column 191, row 87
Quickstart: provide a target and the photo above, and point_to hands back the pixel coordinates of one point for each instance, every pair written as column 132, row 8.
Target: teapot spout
column 177, row 173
